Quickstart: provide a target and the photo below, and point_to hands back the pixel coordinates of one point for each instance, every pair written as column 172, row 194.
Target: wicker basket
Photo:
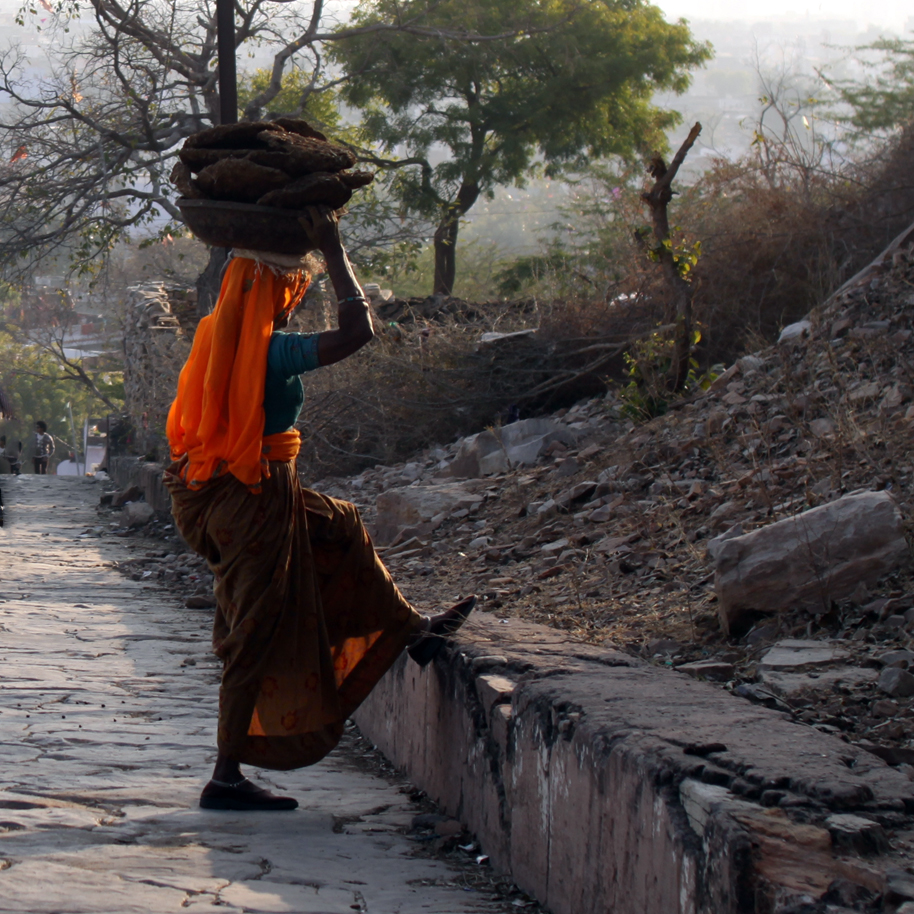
column 245, row 225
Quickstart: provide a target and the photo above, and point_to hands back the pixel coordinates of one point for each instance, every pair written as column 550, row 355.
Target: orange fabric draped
column 217, row 416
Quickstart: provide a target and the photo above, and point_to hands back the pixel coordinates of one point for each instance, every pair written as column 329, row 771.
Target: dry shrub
column 775, row 244
column 427, row 378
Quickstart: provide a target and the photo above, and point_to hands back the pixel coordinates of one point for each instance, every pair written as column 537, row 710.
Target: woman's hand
column 322, row 226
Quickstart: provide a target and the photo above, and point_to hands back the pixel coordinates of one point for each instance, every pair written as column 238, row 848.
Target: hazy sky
column 888, row 14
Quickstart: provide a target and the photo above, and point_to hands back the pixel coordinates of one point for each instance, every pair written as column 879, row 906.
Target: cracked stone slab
column 796, row 656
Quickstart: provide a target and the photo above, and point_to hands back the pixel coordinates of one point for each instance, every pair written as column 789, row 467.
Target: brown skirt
column 307, row 618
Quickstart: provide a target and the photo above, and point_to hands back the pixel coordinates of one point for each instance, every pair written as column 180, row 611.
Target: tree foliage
column 38, row 388
column 89, row 136
column 884, row 101
column 556, row 83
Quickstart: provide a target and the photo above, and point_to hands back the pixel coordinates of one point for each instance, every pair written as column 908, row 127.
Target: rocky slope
column 605, row 535
column 599, row 526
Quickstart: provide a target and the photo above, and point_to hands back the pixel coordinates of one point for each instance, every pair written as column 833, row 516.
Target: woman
column 307, row 617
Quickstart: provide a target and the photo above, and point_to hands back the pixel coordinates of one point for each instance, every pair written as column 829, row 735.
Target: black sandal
column 244, row 797
column 440, row 627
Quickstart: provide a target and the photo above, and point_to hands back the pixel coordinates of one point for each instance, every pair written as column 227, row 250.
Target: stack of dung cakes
column 244, row 185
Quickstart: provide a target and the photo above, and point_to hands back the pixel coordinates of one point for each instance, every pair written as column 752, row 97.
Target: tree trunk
column 445, row 240
column 209, row 281
column 680, row 309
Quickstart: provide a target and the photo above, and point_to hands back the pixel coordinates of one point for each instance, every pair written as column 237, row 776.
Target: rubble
column 137, row 514
column 606, row 534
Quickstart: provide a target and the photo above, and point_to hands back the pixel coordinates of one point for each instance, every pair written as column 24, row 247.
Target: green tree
column 297, row 94
column 556, row 83
column 884, row 101
column 89, row 134
column 38, row 388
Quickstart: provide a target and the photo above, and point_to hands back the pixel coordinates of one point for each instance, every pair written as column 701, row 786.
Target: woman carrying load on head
column 308, row 618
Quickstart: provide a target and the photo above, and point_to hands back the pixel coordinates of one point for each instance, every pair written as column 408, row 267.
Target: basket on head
column 224, row 224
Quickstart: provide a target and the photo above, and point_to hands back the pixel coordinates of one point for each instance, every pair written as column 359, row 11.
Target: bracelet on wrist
column 343, row 301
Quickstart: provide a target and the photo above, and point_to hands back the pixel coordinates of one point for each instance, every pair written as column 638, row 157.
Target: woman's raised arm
column 354, row 327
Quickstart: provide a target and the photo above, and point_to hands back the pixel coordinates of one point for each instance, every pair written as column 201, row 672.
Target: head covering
column 217, row 417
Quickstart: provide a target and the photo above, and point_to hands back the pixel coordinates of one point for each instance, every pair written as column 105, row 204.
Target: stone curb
column 600, row 782
column 128, row 471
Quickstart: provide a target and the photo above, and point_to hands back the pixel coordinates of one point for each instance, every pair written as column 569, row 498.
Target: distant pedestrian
column 12, row 453
column 44, row 448
column 6, row 465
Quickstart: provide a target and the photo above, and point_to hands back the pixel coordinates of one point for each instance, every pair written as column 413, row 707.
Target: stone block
column 857, row 834
column 494, row 689
column 137, row 513
column 901, row 658
column 896, row 682
column 478, row 455
column 131, row 493
column 796, row 656
column 794, row 332
column 713, row 670
column 409, row 506
column 808, row 560
column 519, row 444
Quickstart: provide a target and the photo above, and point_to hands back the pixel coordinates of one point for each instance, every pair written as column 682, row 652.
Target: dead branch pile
column 774, row 246
column 453, row 370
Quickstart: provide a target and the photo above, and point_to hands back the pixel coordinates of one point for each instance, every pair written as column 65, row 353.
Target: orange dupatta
column 217, row 416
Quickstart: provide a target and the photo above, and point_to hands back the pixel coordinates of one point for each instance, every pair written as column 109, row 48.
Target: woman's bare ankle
column 227, row 770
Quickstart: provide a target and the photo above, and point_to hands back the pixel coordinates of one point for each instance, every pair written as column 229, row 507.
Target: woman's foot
column 438, row 629
column 243, row 796
column 230, row 789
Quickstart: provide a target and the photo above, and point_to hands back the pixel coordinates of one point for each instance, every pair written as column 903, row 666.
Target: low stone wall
column 601, row 783
column 130, row 471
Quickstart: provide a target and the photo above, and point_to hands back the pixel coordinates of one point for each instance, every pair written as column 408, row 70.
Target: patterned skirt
column 308, row 618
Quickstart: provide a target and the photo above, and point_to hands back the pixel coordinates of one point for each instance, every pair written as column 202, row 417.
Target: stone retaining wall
column 130, row 471
column 601, row 783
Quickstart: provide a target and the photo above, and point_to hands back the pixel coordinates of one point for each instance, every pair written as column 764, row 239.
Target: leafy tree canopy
column 38, row 388
column 884, row 102
column 557, row 82
column 88, row 135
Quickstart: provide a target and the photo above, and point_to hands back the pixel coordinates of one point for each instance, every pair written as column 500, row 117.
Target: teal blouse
column 289, row 355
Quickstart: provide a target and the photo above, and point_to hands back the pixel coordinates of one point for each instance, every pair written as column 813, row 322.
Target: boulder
column 896, row 682
column 131, row 493
column 479, row 455
column 713, row 670
column 797, row 656
column 497, row 450
column 808, row 560
column 413, row 506
column 798, row 331
column 137, row 513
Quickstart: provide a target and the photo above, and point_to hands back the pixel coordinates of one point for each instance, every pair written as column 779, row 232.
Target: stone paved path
column 107, row 713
